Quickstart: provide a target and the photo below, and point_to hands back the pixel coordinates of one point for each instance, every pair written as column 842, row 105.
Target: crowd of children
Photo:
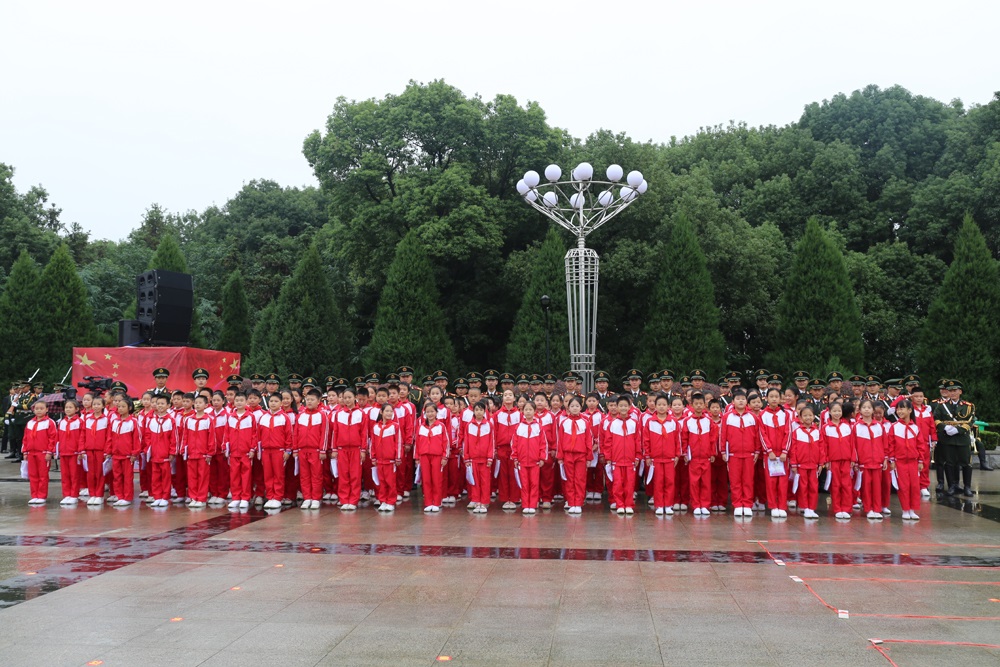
column 374, row 443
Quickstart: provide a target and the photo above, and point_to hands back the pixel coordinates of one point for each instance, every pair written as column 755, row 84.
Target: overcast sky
column 112, row 106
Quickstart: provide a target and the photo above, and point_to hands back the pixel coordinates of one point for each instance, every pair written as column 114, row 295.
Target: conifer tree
column 526, row 347
column 21, row 318
column 67, row 317
column 818, row 319
column 960, row 338
column 260, row 343
column 409, row 323
column 682, row 328
column 235, row 334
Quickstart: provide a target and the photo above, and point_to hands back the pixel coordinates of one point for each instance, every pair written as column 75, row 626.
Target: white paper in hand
column 469, row 477
column 795, row 483
column 333, row 468
column 108, row 465
column 857, row 480
column 649, row 474
column 895, row 480
column 826, row 485
column 296, row 472
column 517, row 478
column 416, row 477
column 375, row 474
column 562, row 471
column 24, row 469
column 85, row 464
column 609, row 468
column 775, row 467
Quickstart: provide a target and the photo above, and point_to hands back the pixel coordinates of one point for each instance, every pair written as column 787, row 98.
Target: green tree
column 409, row 324
column 68, row 320
column 960, row 337
column 526, row 347
column 818, row 320
column 22, row 321
column 681, row 329
column 235, row 335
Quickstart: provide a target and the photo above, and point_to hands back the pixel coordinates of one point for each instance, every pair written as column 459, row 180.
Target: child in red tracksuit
column 623, row 450
column 529, row 451
column 275, row 430
column 869, row 440
column 350, row 437
column 906, row 457
column 550, row 471
column 923, row 417
column 682, row 486
column 807, row 457
column 386, row 453
column 68, row 450
column 595, row 469
column 431, row 448
column 506, row 419
column 97, row 428
column 312, row 434
column 198, row 448
column 574, row 449
column 841, row 457
column 160, row 441
column 775, row 436
column 218, row 479
column 700, row 444
column 720, row 471
column 661, row 439
column 38, row 448
column 124, row 445
column 739, row 444
column 241, row 443
column 479, row 451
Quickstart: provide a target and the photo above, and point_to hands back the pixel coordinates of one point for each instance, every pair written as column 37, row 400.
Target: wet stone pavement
column 83, row 586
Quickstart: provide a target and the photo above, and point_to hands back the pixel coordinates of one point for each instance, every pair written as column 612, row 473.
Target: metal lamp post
column 580, row 207
column 546, row 305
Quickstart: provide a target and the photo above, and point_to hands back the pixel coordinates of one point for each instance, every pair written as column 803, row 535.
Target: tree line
column 862, row 237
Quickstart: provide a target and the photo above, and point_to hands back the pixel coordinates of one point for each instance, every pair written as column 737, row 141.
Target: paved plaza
column 145, row 587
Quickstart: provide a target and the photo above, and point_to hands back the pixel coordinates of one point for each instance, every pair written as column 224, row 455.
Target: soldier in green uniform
column 462, row 391
column 873, row 388
column 492, row 378
column 535, row 382
column 20, row 414
column 295, row 382
column 774, row 381
column 835, row 381
column 816, row 390
column 653, row 382
column 698, row 379
column 955, row 422
column 160, row 376
column 667, row 383
column 549, row 384
column 634, row 378
column 727, row 384
column 760, row 380
column 257, row 382
column 523, row 386
column 235, row 380
column 475, row 380
column 801, row 380
column 405, row 374
column 272, row 383
column 507, row 382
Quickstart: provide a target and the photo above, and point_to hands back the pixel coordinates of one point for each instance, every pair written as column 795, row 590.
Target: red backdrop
column 135, row 365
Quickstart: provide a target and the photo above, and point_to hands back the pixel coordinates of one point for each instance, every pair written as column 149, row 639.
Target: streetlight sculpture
column 581, row 205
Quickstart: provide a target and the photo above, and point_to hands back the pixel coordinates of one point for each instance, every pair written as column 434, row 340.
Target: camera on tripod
column 95, row 383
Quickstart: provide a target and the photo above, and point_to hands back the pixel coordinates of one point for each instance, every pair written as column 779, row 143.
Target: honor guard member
column 373, row 380
column 392, row 380
column 428, row 382
column 653, row 382
column 272, row 383
column 507, row 383
column 549, row 384
column 405, row 374
column 760, row 380
column 729, row 382
column 857, row 386
column 667, row 384
column 570, row 383
column 234, row 381
column 835, row 381
column 909, row 382
column 955, row 422
column 635, row 388
column 200, row 377
column 295, row 382
column 341, row 385
column 601, row 386
column 523, row 385
column 801, row 380
column 816, row 390
column 257, row 382
column 308, row 383
column 698, row 379
column 685, row 385
column 625, row 384
column 330, row 382
column 38, row 388
column 893, row 389
column 492, row 378
column 118, row 387
column 535, row 382
column 160, row 376
column 873, row 388
column 441, row 380
column 462, row 392
column 475, row 380
column 19, row 414
column 774, row 381
column 359, row 383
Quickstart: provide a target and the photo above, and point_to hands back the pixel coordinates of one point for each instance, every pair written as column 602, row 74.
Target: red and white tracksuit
column 479, row 451
column 575, row 448
column 218, row 480
column 276, row 433
column 385, row 451
column 124, row 443
column 720, row 476
column 312, row 435
column 595, row 468
column 40, row 438
column 662, row 444
column 241, row 442
column 350, row 434
column 622, row 449
column 506, row 420
column 406, row 417
column 923, row 417
column 529, row 451
column 431, row 446
column 838, row 443
column 739, row 439
column 69, row 447
column 775, row 436
column 806, row 456
column 549, row 472
column 700, row 443
column 179, row 473
column 97, row 429
column 160, row 441
column 905, row 441
column 197, row 447
column 869, row 440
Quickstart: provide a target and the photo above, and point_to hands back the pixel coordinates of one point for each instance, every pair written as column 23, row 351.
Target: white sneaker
column 244, row 504
column 614, row 506
column 659, row 511
column 905, row 514
column 196, row 504
column 112, row 499
column 620, row 511
column 925, row 493
column 123, row 503
column 98, row 500
column 775, row 514
column 177, row 499
column 84, row 493
column 684, row 507
column 668, row 511
column 886, row 511
column 546, row 506
column 66, row 501
column 784, row 514
column 738, row 511
column 810, row 514
column 577, row 510
column 792, row 503
column 757, row 507
column 629, row 511
column 527, row 510
column 677, row 506
column 235, row 505
column 272, row 504
column 144, row 494
column 509, row 506
column 913, row 516
column 162, row 502
column 304, row 506
column 874, row 515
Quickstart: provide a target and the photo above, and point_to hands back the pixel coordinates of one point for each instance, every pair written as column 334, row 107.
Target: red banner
column 135, row 365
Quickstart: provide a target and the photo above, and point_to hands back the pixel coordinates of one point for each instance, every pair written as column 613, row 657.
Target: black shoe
column 940, row 487
column 986, row 467
column 968, row 492
column 953, row 490
column 11, row 457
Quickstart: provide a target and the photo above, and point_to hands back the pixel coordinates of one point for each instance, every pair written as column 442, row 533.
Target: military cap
column 272, row 378
column 624, row 380
column 894, row 382
column 474, row 377
column 666, row 374
column 634, row 374
column 461, row 383
column 760, row 373
column 256, row 377
column 428, row 380
column 535, row 379
column 856, row 379
column 653, row 377
column 721, row 381
column 698, row 374
column 816, row 383
column 942, row 383
column 602, row 376
column 685, row 381
column 16, row 384
column 733, row 376
column 549, row 378
column 118, row 385
column 507, row 377
column 392, row 379
column 234, row 379
column 775, row 378
column 294, row 377
column 800, row 375
column 491, row 374
column 359, row 382
column 834, row 376
column 329, row 381
column 953, row 384
column 309, row 382
column 341, row 383
column 373, row 377
column 911, row 379
column 572, row 375
column 872, row 380
column 440, row 375
column 404, row 370
column 200, row 373
column 38, row 383
column 522, row 378
column 161, row 373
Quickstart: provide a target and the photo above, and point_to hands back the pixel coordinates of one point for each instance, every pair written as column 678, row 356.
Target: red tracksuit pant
column 311, row 474
column 124, row 476
column 455, row 477
column 274, row 473
column 925, row 474
column 70, row 475
column 160, row 480
column 760, row 483
column 622, row 486
column 257, row 479
column 841, row 487
column 575, row 486
column 508, row 490
column 385, row 492
column 480, row 491
column 145, row 474
column 595, row 479
column 662, row 484
column 404, row 473
column 197, row 473
column 530, row 480
column 908, row 478
column 431, row 479
column 871, row 490
column 219, row 478
column 38, row 474
column 741, row 475
column 240, row 475
column 720, row 483
column 547, row 476
column 808, row 493
column 682, row 487
column 292, row 479
column 349, row 482
column 777, row 488
column 179, row 478
column 886, row 486
column 95, row 473
column 700, row 480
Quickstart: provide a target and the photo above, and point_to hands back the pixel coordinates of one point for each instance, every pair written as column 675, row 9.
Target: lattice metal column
column 582, row 266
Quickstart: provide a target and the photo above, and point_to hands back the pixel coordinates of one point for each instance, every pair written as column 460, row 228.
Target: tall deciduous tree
column 22, row 319
column 819, row 322
column 960, row 337
column 681, row 330
column 409, row 324
column 67, row 318
column 526, row 347
column 235, row 334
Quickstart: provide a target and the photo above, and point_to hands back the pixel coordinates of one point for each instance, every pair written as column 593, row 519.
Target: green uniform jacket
column 945, row 413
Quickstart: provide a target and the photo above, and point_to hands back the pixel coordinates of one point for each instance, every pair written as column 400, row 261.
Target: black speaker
column 132, row 332
column 165, row 304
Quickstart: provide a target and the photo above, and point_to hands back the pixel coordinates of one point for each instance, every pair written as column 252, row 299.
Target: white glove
column 950, row 430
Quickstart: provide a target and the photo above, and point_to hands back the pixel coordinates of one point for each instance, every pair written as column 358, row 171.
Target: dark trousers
column 16, row 438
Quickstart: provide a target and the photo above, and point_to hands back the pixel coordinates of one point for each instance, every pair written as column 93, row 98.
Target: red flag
column 135, row 365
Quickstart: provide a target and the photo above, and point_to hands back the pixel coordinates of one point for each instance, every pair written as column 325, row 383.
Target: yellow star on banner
column 223, row 360
column 84, row 361
column 107, row 357
column 114, row 375
column 114, row 365
column 235, row 365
